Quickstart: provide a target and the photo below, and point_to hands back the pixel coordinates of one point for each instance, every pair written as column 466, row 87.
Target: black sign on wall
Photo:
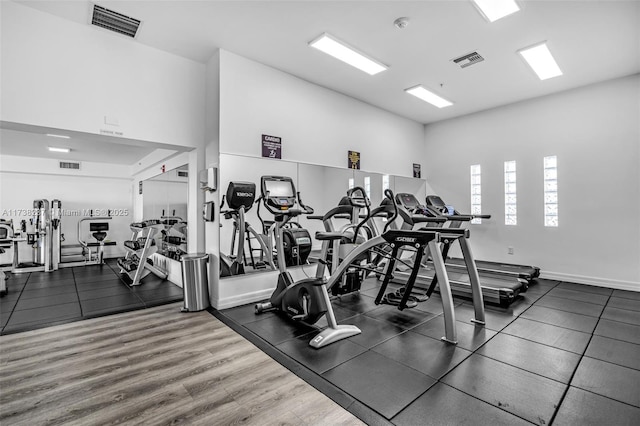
column 417, row 168
column 353, row 160
column 271, row 146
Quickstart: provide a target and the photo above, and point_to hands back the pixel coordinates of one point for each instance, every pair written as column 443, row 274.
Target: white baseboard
column 595, row 281
column 241, row 299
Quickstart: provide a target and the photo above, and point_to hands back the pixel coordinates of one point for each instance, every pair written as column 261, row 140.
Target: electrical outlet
column 510, row 250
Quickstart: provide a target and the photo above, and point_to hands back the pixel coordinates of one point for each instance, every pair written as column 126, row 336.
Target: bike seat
column 329, row 236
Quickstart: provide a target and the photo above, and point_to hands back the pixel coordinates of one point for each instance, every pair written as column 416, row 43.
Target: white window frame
column 550, row 175
column 510, row 194
column 475, row 172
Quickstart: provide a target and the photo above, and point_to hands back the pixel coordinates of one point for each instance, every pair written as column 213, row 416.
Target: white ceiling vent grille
column 183, row 173
column 114, row 21
column 468, row 59
column 69, row 165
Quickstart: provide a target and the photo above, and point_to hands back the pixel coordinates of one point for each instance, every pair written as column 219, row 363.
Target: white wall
column 595, row 133
column 64, row 75
column 98, row 186
column 317, row 125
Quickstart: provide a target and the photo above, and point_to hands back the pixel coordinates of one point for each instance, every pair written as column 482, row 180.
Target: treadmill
column 526, row 272
column 497, row 289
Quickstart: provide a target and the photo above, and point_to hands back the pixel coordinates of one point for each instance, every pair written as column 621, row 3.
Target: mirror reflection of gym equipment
column 43, row 233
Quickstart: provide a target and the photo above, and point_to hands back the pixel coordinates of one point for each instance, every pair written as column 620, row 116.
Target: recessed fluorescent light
column 427, row 96
column 493, row 10
column 58, row 136
column 340, row 50
column 541, row 61
column 54, row 149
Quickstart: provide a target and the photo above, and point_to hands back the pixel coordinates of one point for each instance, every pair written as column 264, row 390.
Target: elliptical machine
column 306, row 300
column 240, row 197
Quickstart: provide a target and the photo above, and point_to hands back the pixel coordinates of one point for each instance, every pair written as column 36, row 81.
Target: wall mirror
column 165, row 198
column 320, row 187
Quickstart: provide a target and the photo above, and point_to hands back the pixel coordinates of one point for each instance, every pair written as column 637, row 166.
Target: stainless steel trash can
column 195, row 284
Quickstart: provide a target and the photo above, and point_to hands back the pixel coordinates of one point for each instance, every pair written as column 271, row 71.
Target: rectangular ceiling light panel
column 56, row 149
column 427, row 96
column 342, row 51
column 493, row 10
column 541, row 61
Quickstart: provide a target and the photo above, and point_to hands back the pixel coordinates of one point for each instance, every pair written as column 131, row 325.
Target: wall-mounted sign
column 353, row 160
column 271, row 146
column 416, row 170
column 140, row 187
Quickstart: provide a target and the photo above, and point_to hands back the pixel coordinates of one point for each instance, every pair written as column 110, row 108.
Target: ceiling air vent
column 183, row 173
column 69, row 165
column 114, row 21
column 468, row 59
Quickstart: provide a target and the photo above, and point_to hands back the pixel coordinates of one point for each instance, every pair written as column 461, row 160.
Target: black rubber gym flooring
column 39, row 299
column 563, row 354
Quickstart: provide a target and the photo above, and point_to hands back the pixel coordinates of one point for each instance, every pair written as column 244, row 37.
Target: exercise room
column 318, row 213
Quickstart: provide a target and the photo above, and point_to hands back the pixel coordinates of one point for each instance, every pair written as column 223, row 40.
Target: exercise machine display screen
column 408, row 200
column 279, row 189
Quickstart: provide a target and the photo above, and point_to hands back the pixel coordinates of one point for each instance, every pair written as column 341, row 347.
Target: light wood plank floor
column 154, row 366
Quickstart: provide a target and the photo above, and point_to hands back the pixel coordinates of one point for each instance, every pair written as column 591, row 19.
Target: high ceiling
column 591, row 40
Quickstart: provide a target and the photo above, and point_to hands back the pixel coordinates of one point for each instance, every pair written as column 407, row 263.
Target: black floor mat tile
column 561, row 318
column 96, row 278
column 16, row 279
column 379, row 382
column 427, row 355
column 277, row 329
column 547, row 334
column 41, row 302
column 569, row 305
column 49, row 277
column 406, row 319
column 519, row 392
column 610, row 380
column 470, row 336
column 245, row 314
column 582, row 296
column 633, row 295
column 434, row 305
column 37, row 285
column 46, row 314
column 98, row 293
column 4, row 317
column 621, row 315
column 530, row 356
column 494, row 320
column 98, row 285
column 91, row 306
column 9, row 300
column 614, row 351
column 323, row 359
column 618, row 330
column 621, row 303
column 585, row 288
column 47, row 292
column 373, row 330
column 585, row 408
column 444, row 405
column 367, row 415
column 356, row 302
column 173, row 292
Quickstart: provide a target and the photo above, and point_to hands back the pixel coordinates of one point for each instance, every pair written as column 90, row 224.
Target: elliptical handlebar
column 389, row 194
column 306, row 209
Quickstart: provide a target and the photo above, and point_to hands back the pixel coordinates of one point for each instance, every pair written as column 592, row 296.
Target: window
column 351, row 183
column 551, row 191
column 476, row 192
column 367, row 186
column 510, row 197
column 385, row 182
